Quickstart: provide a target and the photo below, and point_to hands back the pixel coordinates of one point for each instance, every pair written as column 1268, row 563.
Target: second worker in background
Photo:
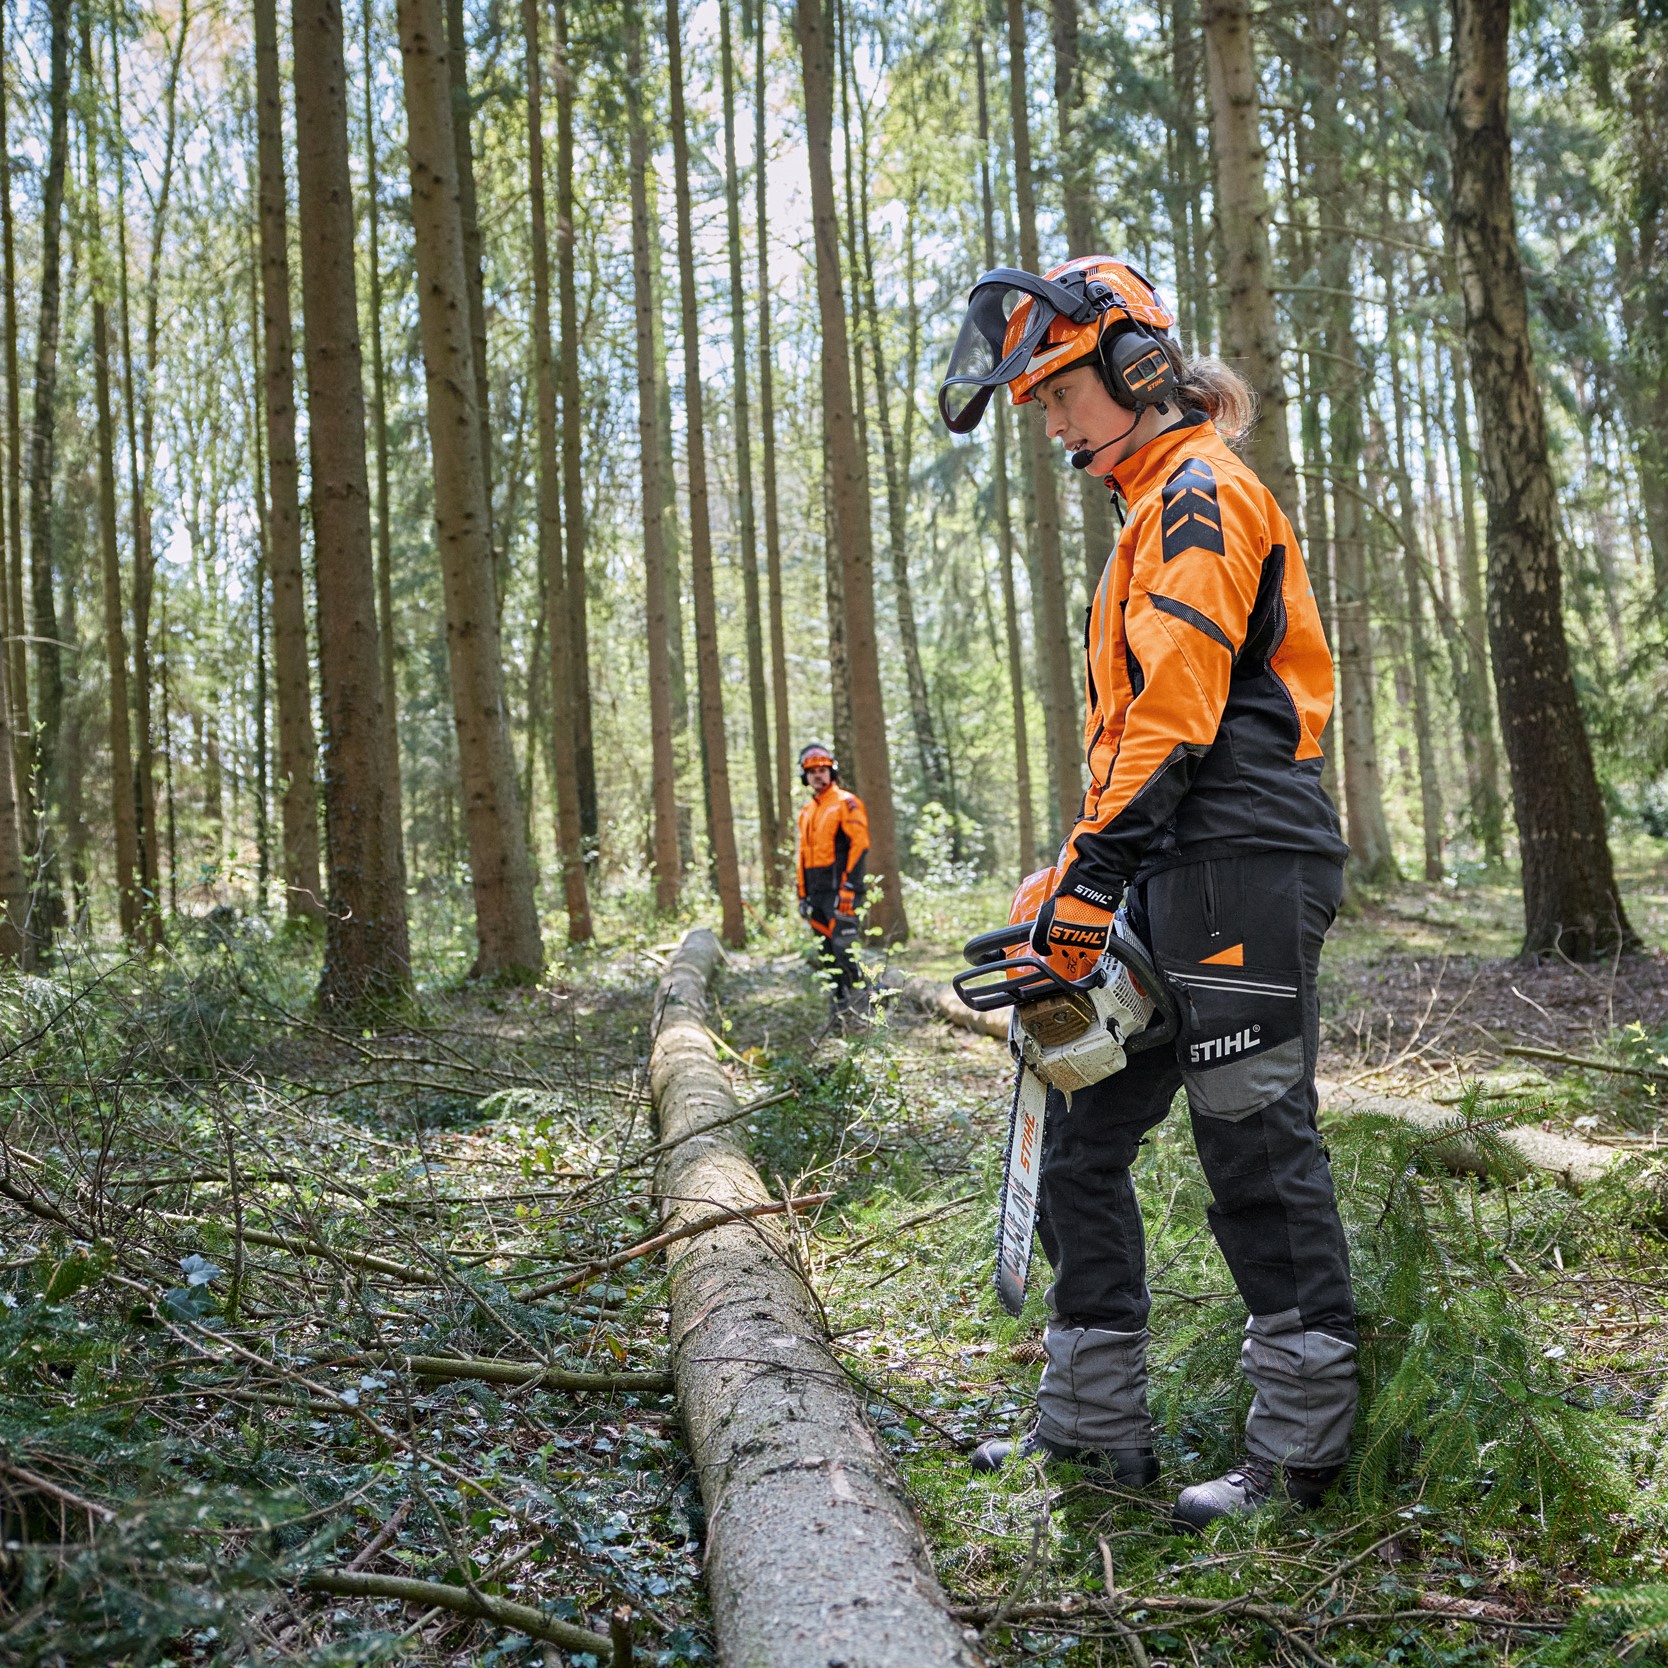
column 833, row 852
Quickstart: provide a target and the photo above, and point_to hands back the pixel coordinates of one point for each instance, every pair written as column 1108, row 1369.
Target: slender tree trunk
column 1488, row 809
column 1250, row 331
column 49, row 674
column 570, row 845
column 367, row 948
column 457, row 80
column 379, row 411
column 1077, row 183
column 747, row 541
column 122, row 817
column 839, row 663
column 1430, row 787
column 1026, row 817
column 663, row 765
column 1056, row 652
column 16, row 949
column 11, row 566
column 506, row 920
column 258, row 585
column 934, row 776
column 849, row 479
column 767, row 425
column 297, row 743
column 573, row 431
column 1570, row 900
column 721, row 832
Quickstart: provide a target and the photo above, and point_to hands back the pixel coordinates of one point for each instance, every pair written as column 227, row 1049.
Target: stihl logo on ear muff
column 1147, row 372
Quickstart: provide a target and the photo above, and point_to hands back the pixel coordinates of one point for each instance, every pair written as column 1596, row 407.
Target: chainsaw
column 1064, row 1034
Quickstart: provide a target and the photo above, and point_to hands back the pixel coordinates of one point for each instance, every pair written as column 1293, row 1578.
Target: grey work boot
column 1247, row 1487
column 1128, row 1467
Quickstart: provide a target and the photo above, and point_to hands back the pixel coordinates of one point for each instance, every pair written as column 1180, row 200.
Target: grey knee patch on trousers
column 1304, row 1408
column 1094, row 1389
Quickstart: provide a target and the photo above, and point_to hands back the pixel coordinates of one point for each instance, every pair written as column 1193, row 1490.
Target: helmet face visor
column 978, row 364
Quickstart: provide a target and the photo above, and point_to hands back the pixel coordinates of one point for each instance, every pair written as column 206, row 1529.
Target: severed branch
column 1523, row 1052
column 536, row 1624
column 488, row 1371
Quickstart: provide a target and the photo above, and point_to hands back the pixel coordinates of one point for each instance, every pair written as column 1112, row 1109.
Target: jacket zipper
column 1210, row 900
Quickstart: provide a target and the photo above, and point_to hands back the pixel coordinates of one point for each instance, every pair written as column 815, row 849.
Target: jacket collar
column 1142, row 471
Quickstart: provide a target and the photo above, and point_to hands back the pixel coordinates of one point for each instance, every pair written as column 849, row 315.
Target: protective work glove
column 805, row 909
column 847, row 904
column 1070, row 935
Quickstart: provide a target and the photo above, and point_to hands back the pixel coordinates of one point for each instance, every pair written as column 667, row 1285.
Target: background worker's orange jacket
column 833, row 849
column 1209, row 678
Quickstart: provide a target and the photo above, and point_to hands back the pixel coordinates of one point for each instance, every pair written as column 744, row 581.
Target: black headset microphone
column 1082, row 460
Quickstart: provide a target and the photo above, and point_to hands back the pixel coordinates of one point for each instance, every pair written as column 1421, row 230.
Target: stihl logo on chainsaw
column 1027, row 1141
column 1223, row 1048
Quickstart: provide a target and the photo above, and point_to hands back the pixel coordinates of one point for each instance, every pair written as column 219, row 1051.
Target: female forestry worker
column 1208, row 686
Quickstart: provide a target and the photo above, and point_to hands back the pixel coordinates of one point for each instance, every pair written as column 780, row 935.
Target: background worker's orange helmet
column 1124, row 297
column 815, row 753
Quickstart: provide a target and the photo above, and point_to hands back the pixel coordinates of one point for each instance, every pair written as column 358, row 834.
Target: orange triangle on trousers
column 1233, row 956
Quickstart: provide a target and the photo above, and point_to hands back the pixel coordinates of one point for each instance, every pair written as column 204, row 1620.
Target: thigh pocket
column 1240, row 1046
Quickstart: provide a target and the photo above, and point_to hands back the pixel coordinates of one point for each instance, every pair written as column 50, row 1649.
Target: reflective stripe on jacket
column 1209, row 679
column 833, row 847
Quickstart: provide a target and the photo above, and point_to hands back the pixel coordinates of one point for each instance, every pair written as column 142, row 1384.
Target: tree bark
column 1571, row 903
column 573, row 431
column 663, row 760
column 379, row 412
column 767, row 428
column 469, row 215
column 747, row 541
column 297, row 743
column 721, row 831
column 1250, row 330
column 123, row 821
column 367, row 949
column 1056, row 652
column 849, row 481
column 570, row 844
column 1025, row 815
column 49, row 676
column 813, row 1554
column 506, row 921
column 11, row 567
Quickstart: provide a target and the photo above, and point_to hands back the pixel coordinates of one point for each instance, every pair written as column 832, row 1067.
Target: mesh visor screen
column 977, row 364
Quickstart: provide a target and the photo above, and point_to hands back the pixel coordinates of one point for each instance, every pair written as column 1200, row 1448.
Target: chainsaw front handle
column 994, row 979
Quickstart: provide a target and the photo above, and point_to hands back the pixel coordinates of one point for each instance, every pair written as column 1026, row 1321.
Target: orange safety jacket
column 1209, row 679
column 833, row 848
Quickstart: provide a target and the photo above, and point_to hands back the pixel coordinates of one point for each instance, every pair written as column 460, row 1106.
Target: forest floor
column 226, row 1229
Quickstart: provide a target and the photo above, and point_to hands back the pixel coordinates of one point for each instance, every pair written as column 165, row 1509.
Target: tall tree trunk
column 573, row 432
column 1077, row 184
column 258, row 585
column 507, row 938
column 16, row 949
column 849, row 479
column 297, row 743
column 1488, row 810
column 570, row 845
column 747, row 542
column 1026, row 816
column 934, row 774
column 833, row 592
column 367, row 947
column 469, row 215
column 49, row 674
column 122, row 816
column 1250, row 331
column 1056, row 652
column 1413, row 580
column 663, row 759
column 767, row 426
column 1570, row 900
column 11, row 565
column 379, row 409
column 721, row 831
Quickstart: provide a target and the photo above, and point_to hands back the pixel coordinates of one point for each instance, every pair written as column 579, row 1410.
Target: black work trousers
column 835, row 960
column 1239, row 940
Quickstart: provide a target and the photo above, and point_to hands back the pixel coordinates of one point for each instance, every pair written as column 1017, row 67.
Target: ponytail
column 1207, row 384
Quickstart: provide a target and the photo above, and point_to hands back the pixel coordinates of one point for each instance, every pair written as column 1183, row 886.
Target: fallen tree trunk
column 1572, row 1162
column 813, row 1555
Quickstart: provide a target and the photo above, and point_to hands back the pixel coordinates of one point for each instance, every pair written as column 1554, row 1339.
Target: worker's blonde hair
column 1207, row 384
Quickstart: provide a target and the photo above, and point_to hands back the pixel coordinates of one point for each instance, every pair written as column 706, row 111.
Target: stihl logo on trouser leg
column 1223, row 1048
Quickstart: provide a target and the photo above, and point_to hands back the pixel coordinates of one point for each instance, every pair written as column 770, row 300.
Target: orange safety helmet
column 1019, row 329
column 1129, row 298
column 815, row 753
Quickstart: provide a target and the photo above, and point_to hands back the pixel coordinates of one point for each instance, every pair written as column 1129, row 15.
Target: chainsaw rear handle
column 995, row 980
